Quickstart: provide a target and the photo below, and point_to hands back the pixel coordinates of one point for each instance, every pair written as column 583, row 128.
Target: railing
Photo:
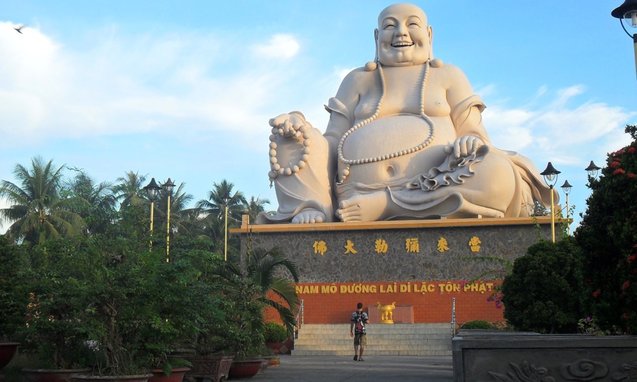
column 453, row 316
column 300, row 318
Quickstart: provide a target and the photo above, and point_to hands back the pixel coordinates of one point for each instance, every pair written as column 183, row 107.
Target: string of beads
column 349, row 162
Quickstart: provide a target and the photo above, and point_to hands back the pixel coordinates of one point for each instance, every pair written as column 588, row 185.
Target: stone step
column 378, row 328
column 382, row 339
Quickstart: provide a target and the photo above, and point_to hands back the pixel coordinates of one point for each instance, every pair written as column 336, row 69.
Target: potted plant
column 123, row 280
column 181, row 314
column 246, row 330
column 204, row 349
column 13, row 297
column 250, row 290
column 57, row 323
column 275, row 336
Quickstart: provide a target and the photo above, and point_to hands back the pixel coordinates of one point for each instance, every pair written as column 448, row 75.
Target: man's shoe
column 361, row 359
column 355, row 358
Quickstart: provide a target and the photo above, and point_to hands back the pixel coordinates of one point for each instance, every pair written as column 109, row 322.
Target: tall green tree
column 37, row 211
column 608, row 237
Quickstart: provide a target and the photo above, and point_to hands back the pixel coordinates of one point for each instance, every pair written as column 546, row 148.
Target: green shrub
column 478, row 324
column 275, row 332
column 545, row 290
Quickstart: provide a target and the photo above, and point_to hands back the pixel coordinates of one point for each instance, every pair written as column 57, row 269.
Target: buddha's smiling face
column 403, row 37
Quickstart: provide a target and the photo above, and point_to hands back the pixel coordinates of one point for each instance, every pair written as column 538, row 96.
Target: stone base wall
column 483, row 356
column 425, row 264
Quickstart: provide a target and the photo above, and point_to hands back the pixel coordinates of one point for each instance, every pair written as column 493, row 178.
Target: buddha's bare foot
column 363, row 207
column 309, row 215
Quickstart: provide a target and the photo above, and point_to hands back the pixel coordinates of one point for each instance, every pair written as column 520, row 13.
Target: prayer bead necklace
column 349, row 162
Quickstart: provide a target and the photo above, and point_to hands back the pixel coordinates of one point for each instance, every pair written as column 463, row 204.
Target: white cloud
column 555, row 131
column 122, row 85
column 280, row 46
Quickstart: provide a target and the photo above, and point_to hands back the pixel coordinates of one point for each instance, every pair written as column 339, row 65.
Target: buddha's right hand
column 290, row 125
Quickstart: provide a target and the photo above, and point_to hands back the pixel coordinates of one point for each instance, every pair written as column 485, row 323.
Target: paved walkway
column 344, row 369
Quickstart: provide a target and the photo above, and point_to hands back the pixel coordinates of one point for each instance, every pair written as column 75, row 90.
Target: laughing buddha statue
column 405, row 140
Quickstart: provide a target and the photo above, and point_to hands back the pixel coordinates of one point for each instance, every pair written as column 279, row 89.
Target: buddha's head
column 403, row 36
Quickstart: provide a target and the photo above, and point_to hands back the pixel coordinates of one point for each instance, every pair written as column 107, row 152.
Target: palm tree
column 264, row 269
column 94, row 202
column 37, row 211
column 128, row 190
column 255, row 206
column 221, row 196
column 222, row 199
column 179, row 214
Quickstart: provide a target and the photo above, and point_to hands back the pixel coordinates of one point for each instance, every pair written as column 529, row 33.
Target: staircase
column 382, row 339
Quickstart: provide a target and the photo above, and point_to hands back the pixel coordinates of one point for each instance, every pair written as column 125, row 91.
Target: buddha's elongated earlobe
column 372, row 65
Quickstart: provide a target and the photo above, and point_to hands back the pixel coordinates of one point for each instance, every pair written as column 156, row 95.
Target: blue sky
column 184, row 89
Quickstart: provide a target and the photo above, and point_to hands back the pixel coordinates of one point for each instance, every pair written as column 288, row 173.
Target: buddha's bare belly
column 396, row 134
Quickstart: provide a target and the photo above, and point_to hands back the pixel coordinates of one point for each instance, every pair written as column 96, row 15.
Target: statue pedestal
column 422, row 263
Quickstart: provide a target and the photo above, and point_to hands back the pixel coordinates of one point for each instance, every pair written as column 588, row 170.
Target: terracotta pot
column 52, row 375
column 245, row 369
column 7, row 351
column 111, row 378
column 177, row 375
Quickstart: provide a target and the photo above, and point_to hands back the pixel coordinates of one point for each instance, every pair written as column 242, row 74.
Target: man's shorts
column 360, row 339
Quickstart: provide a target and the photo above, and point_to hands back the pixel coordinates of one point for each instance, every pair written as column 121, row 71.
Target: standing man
column 357, row 330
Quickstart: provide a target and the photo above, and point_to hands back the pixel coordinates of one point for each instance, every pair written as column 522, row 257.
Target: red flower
column 632, row 149
column 619, row 171
column 632, row 258
column 618, row 153
column 626, row 285
column 597, row 293
column 615, row 164
column 631, row 175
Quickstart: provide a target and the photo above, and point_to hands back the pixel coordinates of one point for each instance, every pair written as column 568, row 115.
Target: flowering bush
column 608, row 238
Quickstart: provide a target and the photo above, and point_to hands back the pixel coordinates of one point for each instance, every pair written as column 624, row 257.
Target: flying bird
column 19, row 29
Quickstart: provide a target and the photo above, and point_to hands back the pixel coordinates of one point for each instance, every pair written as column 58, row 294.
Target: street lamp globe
column 628, row 11
column 566, row 187
column 168, row 186
column 550, row 175
column 152, row 189
column 592, row 170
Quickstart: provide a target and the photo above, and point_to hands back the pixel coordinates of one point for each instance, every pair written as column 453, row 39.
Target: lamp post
column 152, row 189
column 550, row 178
column 168, row 186
column 592, row 170
column 628, row 10
column 225, row 222
column 566, row 187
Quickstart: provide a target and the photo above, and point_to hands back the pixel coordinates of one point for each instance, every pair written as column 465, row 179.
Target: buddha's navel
column 391, row 171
